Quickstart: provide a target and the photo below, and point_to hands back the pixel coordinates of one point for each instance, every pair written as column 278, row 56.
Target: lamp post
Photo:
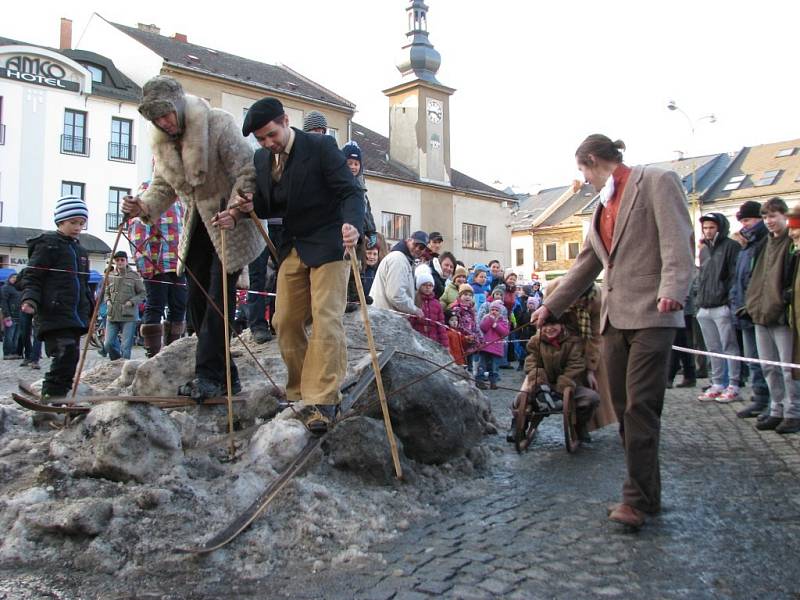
column 694, row 197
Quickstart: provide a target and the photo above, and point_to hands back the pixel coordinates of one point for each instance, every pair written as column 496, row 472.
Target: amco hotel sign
column 40, row 67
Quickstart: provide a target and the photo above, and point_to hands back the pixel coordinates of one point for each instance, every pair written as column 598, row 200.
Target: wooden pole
column 265, row 235
column 225, row 310
column 375, row 366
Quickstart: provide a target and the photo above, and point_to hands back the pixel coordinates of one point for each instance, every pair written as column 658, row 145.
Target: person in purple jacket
column 495, row 328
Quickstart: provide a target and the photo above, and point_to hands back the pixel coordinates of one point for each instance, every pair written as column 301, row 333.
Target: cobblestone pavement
column 535, row 526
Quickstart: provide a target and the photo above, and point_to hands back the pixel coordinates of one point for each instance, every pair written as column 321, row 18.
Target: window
column 114, row 214
column 120, row 147
column 74, row 140
column 784, row 152
column 520, row 256
column 473, row 236
column 334, row 133
column 73, row 188
column 550, row 252
column 98, row 73
column 2, row 127
column 395, row 226
column 734, row 183
column 574, row 249
column 768, row 178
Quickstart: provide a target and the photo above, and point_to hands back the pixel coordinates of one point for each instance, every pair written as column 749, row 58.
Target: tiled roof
column 375, row 152
column 754, row 164
column 275, row 78
column 119, row 87
column 534, row 206
column 572, row 206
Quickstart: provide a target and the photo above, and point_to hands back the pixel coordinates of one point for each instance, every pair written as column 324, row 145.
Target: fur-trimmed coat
column 205, row 168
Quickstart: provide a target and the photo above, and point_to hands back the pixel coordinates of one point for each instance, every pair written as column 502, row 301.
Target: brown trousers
column 316, row 366
column 635, row 361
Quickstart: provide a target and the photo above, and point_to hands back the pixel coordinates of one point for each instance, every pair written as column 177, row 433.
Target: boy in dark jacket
column 56, row 290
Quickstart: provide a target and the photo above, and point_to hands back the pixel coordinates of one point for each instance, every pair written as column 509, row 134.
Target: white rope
column 739, row 358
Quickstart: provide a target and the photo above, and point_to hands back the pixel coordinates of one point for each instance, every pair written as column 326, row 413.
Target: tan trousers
column 317, row 365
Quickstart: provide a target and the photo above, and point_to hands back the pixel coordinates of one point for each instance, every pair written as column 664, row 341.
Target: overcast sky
column 532, row 79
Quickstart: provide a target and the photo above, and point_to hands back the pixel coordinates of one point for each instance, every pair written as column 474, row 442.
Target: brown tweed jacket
column 651, row 256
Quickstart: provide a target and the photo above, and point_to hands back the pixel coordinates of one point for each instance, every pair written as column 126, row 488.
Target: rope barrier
column 772, row 363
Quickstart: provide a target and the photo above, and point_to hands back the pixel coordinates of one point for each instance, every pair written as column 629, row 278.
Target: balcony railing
column 112, row 221
column 2, row 134
column 121, row 152
column 77, row 146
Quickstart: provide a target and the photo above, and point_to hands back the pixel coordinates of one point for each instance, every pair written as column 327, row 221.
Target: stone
column 167, row 370
column 84, row 517
column 360, row 445
column 14, row 420
column 121, row 442
column 277, row 443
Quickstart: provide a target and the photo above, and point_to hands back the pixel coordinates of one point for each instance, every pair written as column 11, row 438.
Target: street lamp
column 694, row 198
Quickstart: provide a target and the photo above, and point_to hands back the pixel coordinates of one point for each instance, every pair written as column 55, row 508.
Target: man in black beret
column 304, row 179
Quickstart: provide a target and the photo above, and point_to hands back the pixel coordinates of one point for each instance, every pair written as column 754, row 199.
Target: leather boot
column 165, row 338
column 151, row 333
column 176, row 331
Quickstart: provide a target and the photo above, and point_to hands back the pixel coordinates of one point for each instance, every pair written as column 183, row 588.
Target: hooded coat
column 393, row 287
column 717, row 265
column 205, row 167
column 756, row 237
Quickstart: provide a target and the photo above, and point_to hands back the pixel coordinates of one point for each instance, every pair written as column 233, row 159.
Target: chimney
column 180, row 37
column 151, row 28
column 65, row 41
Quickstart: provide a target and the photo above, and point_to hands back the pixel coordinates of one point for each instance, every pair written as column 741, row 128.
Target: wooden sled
column 528, row 416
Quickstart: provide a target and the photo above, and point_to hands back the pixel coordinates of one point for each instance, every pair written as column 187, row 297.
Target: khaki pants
column 316, row 366
column 635, row 361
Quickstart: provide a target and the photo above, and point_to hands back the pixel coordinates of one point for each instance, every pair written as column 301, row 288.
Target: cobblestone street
column 535, row 526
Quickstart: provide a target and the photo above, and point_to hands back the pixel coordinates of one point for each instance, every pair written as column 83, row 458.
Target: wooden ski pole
column 375, row 366
column 260, row 227
column 225, row 309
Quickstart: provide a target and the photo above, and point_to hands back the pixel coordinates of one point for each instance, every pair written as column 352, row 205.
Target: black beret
column 261, row 113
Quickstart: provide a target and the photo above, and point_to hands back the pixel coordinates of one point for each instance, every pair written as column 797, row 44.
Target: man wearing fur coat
column 201, row 157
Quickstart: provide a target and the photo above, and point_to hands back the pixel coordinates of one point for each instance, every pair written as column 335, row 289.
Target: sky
column 532, row 78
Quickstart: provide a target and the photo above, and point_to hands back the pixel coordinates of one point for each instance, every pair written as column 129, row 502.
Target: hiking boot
column 788, row 426
column 711, row 394
column 322, row 418
column 261, row 335
column 751, row 410
column 769, row 423
column 730, row 394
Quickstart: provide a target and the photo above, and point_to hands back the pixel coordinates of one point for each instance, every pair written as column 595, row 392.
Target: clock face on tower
column 434, row 110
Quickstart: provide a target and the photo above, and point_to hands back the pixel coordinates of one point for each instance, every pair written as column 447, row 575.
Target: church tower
column 419, row 106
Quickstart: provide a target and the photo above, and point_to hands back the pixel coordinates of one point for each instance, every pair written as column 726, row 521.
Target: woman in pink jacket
column 495, row 328
column 431, row 323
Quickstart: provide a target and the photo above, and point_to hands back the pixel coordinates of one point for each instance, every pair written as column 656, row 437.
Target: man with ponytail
column 641, row 238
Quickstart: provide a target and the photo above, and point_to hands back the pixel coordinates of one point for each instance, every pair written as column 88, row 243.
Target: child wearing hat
column 450, row 294
column 464, row 310
column 56, row 290
column 431, row 324
column 495, row 328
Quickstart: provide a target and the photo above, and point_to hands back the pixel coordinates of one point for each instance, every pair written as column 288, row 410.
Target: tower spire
column 419, row 59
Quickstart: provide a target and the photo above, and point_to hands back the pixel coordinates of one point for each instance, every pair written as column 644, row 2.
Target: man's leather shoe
column 687, row 383
column 627, row 515
column 751, row 410
column 769, row 423
column 788, row 426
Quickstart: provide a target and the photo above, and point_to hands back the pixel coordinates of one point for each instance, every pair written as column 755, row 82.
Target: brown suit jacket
column 651, row 256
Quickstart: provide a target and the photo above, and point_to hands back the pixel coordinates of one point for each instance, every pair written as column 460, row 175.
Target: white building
column 69, row 126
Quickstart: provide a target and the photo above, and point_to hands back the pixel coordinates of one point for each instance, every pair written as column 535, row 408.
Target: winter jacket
column 510, row 300
column 156, row 245
column 393, row 287
column 449, row 296
column 769, row 289
column 367, row 277
column 467, row 326
column 756, row 237
column 212, row 162
column 717, row 266
column 439, row 280
column 431, row 325
column 562, row 365
column 61, row 296
column 10, row 301
column 124, row 293
column 494, row 334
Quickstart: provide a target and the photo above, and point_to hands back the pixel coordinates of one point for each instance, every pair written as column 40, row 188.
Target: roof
column 375, row 152
column 117, row 87
column 275, row 78
column 755, row 165
column 17, row 237
column 573, row 205
column 532, row 207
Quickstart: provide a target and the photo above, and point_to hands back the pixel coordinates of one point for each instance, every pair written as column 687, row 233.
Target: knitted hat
column 500, row 287
column 314, row 120
column 465, row 288
column 352, row 150
column 262, row 112
column 424, row 278
column 162, row 95
column 459, row 271
column 69, row 207
column 749, row 210
column 498, row 304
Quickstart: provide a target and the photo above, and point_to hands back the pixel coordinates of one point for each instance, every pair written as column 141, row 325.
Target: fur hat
column 460, row 271
column 314, row 120
column 465, row 288
column 162, row 95
column 261, row 112
column 424, row 278
column 69, row 207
